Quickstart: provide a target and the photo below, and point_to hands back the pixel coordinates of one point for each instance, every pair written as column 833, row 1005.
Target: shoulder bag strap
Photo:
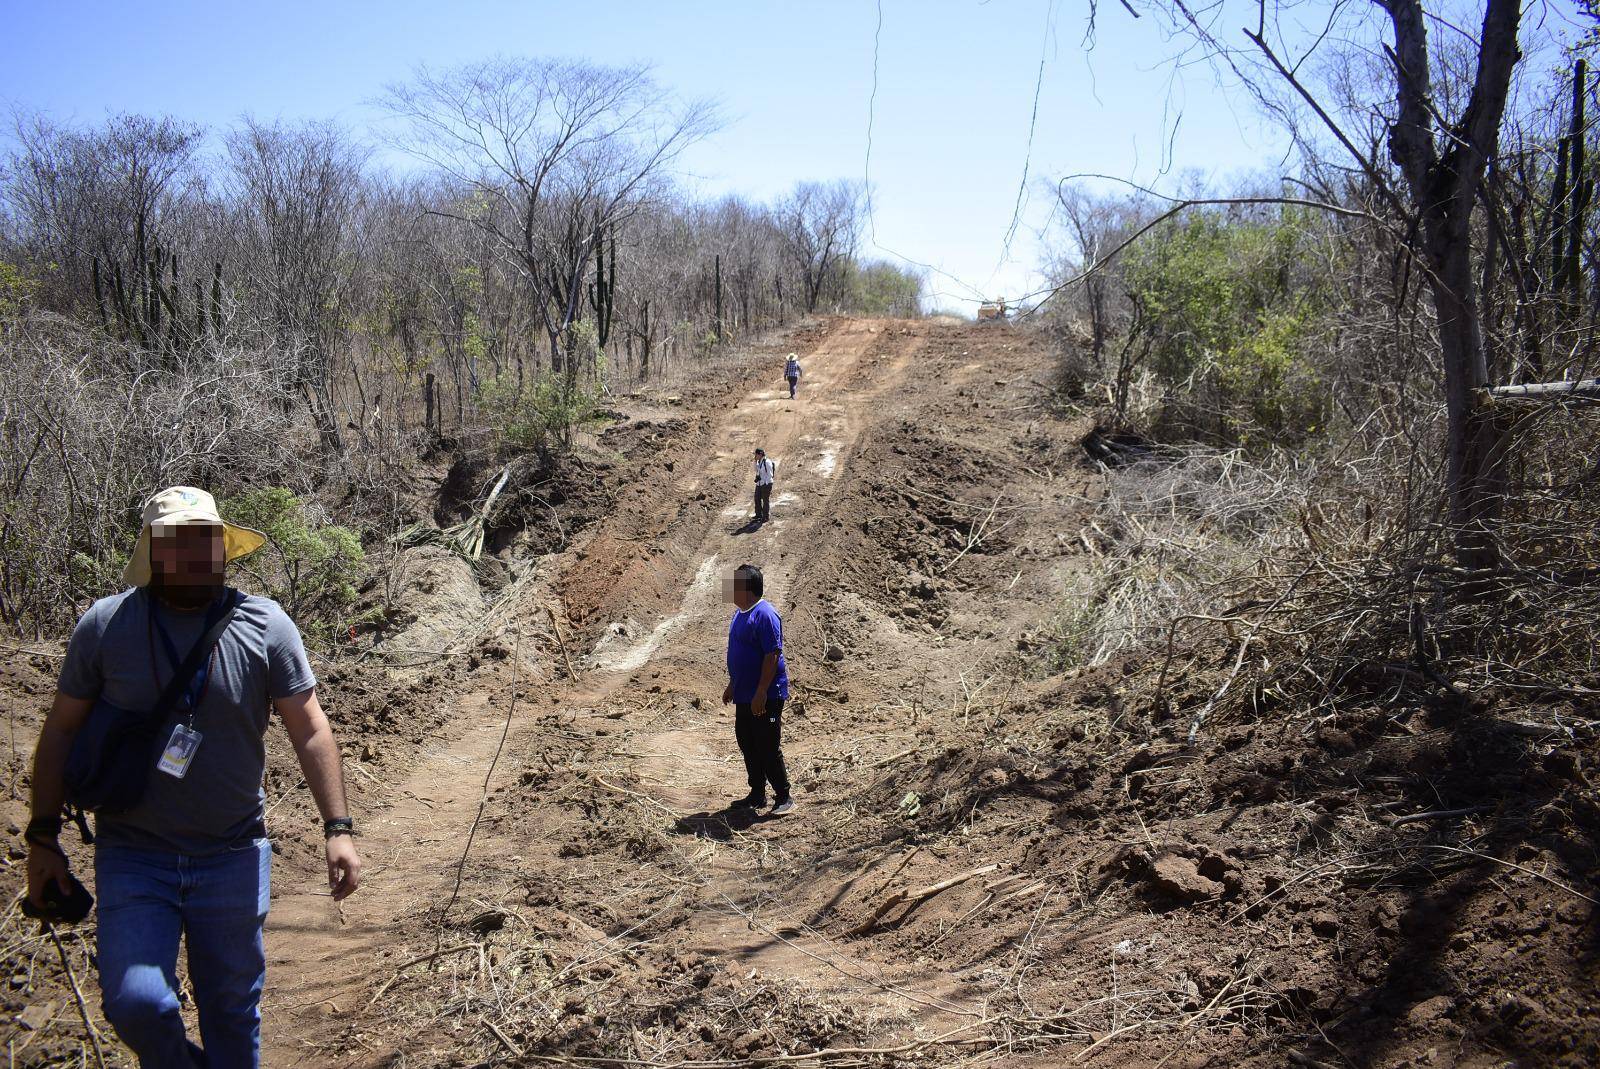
column 197, row 656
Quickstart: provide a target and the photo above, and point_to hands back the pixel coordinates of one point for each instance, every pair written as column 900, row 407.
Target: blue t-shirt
column 754, row 633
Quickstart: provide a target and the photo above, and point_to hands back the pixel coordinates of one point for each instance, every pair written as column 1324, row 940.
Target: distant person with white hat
column 158, row 726
column 791, row 372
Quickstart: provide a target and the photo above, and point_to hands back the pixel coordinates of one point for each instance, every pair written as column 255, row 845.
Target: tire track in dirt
column 693, row 768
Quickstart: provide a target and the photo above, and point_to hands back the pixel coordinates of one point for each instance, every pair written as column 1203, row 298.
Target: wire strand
column 1033, row 123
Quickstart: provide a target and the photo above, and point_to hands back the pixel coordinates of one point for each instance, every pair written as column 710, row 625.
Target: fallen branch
column 641, row 797
column 891, row 758
column 1513, row 865
column 77, row 996
column 562, row 642
column 432, row 955
column 483, row 800
column 1436, row 814
column 505, row 1040
column 53, row 654
column 935, row 1003
column 975, row 538
column 1551, row 391
column 908, row 897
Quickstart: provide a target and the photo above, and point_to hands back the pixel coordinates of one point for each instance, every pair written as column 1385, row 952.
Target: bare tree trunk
column 1476, row 449
column 1443, row 192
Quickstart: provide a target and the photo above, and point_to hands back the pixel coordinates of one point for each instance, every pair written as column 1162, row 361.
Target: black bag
column 68, row 908
column 109, row 764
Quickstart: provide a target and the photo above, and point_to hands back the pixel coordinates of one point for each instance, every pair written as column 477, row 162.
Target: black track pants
column 761, row 742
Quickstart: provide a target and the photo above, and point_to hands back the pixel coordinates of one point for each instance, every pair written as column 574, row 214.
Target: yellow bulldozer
column 992, row 311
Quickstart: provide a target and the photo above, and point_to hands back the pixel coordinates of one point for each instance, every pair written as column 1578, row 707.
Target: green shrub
column 880, row 289
column 17, row 289
column 312, row 569
column 1229, row 308
column 542, row 415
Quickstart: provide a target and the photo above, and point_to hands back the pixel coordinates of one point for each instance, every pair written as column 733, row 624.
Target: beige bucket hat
column 185, row 504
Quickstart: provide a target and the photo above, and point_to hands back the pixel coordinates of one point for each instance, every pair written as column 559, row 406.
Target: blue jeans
column 218, row 903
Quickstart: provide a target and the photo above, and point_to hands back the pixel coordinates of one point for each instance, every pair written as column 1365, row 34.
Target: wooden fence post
column 719, row 299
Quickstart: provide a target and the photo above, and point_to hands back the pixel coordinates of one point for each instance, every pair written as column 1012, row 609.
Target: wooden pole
column 719, row 299
column 562, row 642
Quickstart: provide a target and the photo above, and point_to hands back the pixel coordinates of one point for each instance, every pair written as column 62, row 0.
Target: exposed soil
column 998, row 858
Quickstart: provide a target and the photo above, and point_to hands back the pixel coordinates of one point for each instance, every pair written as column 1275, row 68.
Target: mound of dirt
column 437, row 608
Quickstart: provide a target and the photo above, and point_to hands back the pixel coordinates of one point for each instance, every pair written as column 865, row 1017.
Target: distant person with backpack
column 758, row 685
column 158, row 724
column 791, row 372
column 765, row 471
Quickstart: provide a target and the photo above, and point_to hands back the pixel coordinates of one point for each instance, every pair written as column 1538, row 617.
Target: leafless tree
column 99, row 201
column 1440, row 135
column 1096, row 225
column 296, row 192
column 550, row 155
column 821, row 223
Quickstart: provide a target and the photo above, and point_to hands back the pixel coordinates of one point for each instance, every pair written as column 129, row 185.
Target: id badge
column 179, row 751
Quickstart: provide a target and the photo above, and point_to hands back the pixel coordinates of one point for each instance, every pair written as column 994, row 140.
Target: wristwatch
column 338, row 826
column 43, row 831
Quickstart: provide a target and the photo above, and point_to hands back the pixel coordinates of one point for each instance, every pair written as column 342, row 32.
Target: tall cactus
column 603, row 290
column 1571, row 192
column 151, row 312
column 717, row 320
column 216, row 300
column 1582, row 187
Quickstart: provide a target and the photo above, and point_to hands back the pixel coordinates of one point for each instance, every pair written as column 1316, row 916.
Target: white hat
column 184, row 504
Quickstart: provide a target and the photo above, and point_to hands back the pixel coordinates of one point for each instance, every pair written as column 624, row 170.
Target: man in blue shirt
column 758, row 685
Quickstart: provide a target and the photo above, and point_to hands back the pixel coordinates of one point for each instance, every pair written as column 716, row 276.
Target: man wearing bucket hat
column 791, row 373
column 189, row 856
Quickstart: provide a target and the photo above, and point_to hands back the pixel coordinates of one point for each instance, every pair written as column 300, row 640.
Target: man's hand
column 344, row 866
column 758, row 704
column 46, row 866
column 727, row 694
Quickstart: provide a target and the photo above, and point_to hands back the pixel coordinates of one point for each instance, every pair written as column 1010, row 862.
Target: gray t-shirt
column 260, row 657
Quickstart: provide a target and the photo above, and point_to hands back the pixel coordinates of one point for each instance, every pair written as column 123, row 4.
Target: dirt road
column 1004, row 854
column 663, row 630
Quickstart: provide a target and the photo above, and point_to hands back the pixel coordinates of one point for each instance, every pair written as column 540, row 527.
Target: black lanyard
column 194, row 693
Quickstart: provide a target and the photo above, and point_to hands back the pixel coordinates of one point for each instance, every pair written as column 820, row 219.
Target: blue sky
column 955, row 90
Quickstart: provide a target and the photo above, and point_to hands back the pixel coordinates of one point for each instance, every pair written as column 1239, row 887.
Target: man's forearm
column 49, row 772
column 769, row 672
column 324, row 771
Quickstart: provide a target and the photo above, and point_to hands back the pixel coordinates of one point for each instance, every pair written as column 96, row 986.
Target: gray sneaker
column 783, row 808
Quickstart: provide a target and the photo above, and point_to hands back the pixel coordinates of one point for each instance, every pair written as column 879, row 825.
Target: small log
column 505, row 1040
column 945, row 885
column 901, row 898
column 562, row 642
column 1547, row 391
column 1436, row 814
